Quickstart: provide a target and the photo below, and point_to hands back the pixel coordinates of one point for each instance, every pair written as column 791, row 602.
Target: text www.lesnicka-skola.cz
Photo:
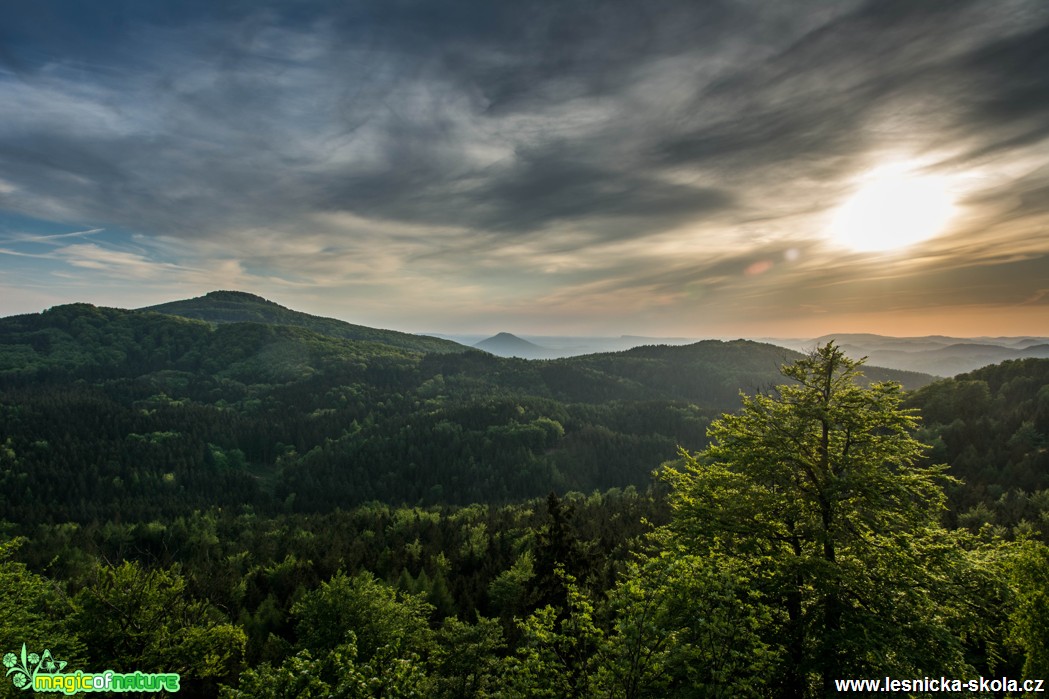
column 939, row 684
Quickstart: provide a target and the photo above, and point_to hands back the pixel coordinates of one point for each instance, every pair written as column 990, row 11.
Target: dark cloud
column 531, row 192
column 361, row 65
column 1014, row 76
column 593, row 124
column 915, row 74
column 231, row 126
column 544, row 189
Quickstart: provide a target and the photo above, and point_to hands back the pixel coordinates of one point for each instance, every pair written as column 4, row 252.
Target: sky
column 687, row 168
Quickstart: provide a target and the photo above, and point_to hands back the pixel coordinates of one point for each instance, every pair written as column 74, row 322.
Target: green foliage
column 251, row 472
column 380, row 620
column 130, row 618
column 510, row 590
column 34, row 612
column 467, row 659
column 337, row 674
column 559, row 651
column 301, row 676
column 358, row 639
column 687, row 625
column 815, row 494
column 1029, row 623
column 992, row 426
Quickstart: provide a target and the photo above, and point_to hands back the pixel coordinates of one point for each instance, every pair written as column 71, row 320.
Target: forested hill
column 141, row 497
column 145, row 413
column 685, row 371
column 258, row 492
column 992, row 427
column 239, row 307
column 81, row 341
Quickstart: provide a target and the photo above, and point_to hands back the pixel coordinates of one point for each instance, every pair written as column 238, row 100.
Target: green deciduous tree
column 686, row 626
column 333, row 676
column 35, row 612
column 1029, row 625
column 467, row 659
column 815, row 494
column 131, row 618
column 358, row 639
column 560, row 650
column 381, row 621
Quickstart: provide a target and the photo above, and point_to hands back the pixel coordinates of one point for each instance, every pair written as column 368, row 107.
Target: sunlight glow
column 893, row 208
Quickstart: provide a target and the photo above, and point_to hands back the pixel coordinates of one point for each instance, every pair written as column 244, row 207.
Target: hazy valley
column 933, row 355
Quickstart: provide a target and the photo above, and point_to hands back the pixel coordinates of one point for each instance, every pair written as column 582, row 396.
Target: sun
column 893, row 208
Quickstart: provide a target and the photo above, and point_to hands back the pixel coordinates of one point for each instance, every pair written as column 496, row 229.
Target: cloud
column 525, row 152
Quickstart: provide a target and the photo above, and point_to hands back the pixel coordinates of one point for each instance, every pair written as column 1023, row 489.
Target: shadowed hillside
column 239, row 306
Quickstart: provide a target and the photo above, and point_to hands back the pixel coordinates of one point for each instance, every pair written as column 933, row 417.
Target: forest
column 274, row 506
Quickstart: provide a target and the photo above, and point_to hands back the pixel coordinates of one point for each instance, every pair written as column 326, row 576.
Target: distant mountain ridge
column 938, row 355
column 241, row 307
column 685, row 371
column 561, row 346
column 508, row 345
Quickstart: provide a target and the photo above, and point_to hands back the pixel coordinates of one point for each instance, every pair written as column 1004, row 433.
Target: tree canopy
column 818, row 493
